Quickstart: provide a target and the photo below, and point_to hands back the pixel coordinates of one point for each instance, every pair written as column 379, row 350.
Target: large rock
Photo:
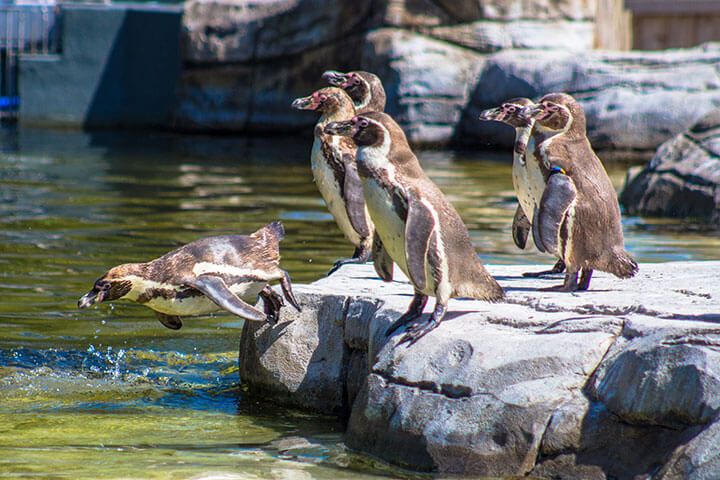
column 247, row 59
column 428, row 82
column 234, row 31
column 683, row 178
column 614, row 382
column 633, row 100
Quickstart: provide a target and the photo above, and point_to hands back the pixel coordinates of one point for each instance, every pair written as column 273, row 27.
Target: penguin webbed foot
column 559, row 267
column 414, row 311
column 570, row 284
column 419, row 330
column 173, row 322
column 286, row 286
column 340, row 263
column 272, row 303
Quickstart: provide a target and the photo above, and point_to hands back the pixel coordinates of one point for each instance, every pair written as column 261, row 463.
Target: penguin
column 578, row 218
column 528, row 177
column 332, row 161
column 365, row 89
column 416, row 226
column 204, row 276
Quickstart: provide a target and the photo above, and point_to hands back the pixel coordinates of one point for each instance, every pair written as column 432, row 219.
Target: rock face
column 620, row 381
column 683, row 178
column 441, row 62
column 632, row 100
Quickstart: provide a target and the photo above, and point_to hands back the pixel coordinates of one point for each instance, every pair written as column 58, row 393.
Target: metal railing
column 26, row 29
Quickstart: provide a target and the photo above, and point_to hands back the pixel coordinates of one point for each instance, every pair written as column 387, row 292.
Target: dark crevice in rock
column 450, row 391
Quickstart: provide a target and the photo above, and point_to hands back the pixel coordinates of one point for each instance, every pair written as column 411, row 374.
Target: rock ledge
column 620, row 381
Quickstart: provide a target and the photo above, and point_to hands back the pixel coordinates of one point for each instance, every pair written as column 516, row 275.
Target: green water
column 109, row 392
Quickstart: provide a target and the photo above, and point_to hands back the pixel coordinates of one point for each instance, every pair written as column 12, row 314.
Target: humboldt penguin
column 332, row 161
column 528, row 177
column 205, row 276
column 416, row 226
column 578, row 217
column 365, row 89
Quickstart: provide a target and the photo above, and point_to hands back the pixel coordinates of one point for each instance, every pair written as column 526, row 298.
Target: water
column 108, row 392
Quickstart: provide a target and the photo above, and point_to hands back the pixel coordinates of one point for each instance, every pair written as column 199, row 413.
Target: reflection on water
column 110, row 391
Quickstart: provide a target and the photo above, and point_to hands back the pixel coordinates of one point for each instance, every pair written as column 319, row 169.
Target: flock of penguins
column 386, row 205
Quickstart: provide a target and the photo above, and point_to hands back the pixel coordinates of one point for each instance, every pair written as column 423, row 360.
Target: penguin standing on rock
column 332, row 161
column 528, row 177
column 416, row 225
column 578, row 218
column 365, row 89
column 205, row 276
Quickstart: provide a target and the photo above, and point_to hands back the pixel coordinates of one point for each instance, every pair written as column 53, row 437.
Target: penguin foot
column 559, row 267
column 570, row 284
column 272, row 303
column 419, row 330
column 347, row 261
column 286, row 286
column 414, row 311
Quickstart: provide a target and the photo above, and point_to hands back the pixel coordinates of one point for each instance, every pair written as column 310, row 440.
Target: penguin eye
column 554, row 108
column 322, row 97
column 356, row 81
column 510, row 108
column 364, row 123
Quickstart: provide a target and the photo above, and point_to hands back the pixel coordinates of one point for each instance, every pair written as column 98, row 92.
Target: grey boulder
column 683, row 178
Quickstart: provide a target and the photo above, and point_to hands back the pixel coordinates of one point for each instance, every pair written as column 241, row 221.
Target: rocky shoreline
column 617, row 382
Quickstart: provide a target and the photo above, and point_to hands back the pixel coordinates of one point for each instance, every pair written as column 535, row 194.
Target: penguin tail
column 623, row 265
column 482, row 286
column 274, row 230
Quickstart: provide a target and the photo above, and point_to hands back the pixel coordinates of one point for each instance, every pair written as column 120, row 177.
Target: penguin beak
column 492, row 114
column 335, row 78
column 91, row 298
column 345, row 129
column 536, row 112
column 305, row 103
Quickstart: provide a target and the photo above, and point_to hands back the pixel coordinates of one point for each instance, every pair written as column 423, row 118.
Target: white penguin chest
column 200, row 304
column 331, row 192
column 388, row 224
column 528, row 180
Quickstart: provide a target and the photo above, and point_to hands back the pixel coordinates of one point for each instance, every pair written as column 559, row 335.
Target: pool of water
column 108, row 392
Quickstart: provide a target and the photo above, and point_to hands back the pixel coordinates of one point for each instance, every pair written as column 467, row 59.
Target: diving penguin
column 204, row 276
column 416, row 225
column 528, row 177
column 578, row 217
column 365, row 89
column 332, row 161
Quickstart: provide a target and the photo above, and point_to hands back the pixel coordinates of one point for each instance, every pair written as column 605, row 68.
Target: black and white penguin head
column 558, row 112
column 365, row 88
column 325, row 100
column 114, row 285
column 512, row 112
column 366, row 130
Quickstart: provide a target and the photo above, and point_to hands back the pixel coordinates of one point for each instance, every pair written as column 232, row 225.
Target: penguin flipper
column 520, row 228
column 559, row 194
column 216, row 290
column 381, row 260
column 173, row 322
column 354, row 197
column 419, row 238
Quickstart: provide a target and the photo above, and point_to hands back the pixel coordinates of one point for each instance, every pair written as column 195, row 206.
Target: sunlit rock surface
column 683, row 178
column 621, row 380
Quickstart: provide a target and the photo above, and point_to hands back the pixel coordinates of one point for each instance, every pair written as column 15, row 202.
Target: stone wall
column 622, row 381
column 441, row 61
